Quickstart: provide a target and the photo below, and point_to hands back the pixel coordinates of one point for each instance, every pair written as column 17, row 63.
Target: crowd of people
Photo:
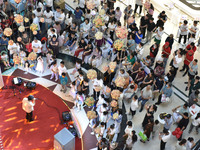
column 130, row 78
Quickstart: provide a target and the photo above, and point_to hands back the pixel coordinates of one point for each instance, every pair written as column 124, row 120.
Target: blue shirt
column 64, row 80
column 166, row 91
column 2, row 42
column 137, row 40
column 79, row 14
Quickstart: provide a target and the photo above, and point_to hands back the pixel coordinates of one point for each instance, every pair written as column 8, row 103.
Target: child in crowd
column 62, row 68
column 4, row 58
column 155, row 128
column 40, row 64
column 79, row 101
column 54, row 70
column 63, row 82
column 77, row 67
column 49, row 58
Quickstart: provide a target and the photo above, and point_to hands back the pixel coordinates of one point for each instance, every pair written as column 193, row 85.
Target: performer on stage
column 28, row 104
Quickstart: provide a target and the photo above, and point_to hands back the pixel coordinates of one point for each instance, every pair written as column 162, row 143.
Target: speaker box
column 66, row 116
column 31, row 85
column 64, row 140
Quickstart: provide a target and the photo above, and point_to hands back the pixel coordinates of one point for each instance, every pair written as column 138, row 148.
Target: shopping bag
column 142, row 136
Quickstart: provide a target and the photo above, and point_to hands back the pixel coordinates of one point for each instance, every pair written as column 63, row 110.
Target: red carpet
column 39, row 134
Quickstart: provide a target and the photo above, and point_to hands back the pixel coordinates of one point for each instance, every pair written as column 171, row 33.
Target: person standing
column 78, row 14
column 188, row 59
column 138, row 3
column 127, row 13
column 28, row 104
column 143, row 25
column 164, row 137
column 150, row 27
column 183, row 31
column 193, row 29
column 146, row 94
column 162, row 18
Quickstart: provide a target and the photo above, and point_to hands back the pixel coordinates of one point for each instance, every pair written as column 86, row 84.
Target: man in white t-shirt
column 36, row 46
column 193, row 29
column 48, row 14
column 183, row 31
column 28, row 104
column 36, row 20
column 164, row 138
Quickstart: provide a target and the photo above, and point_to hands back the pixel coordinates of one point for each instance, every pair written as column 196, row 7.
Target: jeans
column 142, row 103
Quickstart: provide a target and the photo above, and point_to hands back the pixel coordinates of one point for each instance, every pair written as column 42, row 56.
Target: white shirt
column 36, row 21
column 111, row 26
column 134, row 105
column 49, row 16
column 194, row 28
column 85, row 27
column 61, row 70
column 183, row 27
column 49, row 3
column 38, row 14
column 145, row 93
column 12, row 48
column 82, row 3
column 57, row 16
column 37, row 45
column 68, row 20
column 166, row 138
column 159, row 34
column 128, row 130
column 98, row 83
column 195, row 122
column 159, row 58
column 27, row 106
column 178, row 60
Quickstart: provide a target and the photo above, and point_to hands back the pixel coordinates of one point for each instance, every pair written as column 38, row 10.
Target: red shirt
column 166, row 51
column 188, row 58
column 189, row 48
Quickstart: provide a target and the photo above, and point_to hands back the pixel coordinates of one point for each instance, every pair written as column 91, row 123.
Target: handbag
column 142, row 136
column 164, row 98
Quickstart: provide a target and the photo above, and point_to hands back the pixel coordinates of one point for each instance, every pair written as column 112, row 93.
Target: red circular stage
column 16, row 132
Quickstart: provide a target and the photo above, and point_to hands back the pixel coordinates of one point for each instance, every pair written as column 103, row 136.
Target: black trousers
column 180, row 37
column 96, row 94
column 143, row 30
column 162, row 145
column 136, row 7
column 29, row 116
column 159, row 99
column 185, row 67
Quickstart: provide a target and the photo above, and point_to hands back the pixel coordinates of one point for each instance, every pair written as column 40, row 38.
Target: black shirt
column 82, row 45
column 143, row 21
column 151, row 26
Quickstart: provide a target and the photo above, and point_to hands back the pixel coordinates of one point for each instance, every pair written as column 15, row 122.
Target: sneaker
column 56, row 79
column 61, row 90
column 51, row 78
column 92, row 133
column 186, row 88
